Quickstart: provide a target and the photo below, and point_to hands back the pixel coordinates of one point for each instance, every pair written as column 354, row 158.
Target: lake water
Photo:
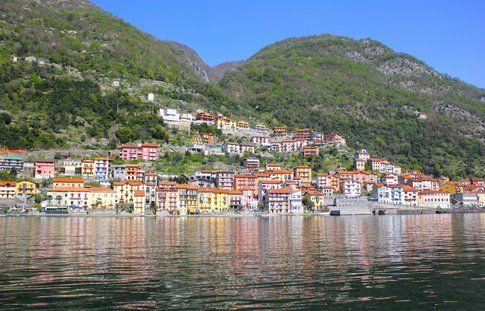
column 405, row 262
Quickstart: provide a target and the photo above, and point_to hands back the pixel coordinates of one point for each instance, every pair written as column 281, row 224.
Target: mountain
column 216, row 73
column 79, row 34
column 390, row 103
column 72, row 74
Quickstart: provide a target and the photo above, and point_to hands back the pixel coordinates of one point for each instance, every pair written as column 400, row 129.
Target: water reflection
column 423, row 261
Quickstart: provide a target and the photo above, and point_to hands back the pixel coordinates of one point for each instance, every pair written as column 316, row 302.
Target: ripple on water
column 425, row 261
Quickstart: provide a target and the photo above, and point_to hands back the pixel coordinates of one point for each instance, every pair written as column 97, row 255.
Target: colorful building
column 68, row 182
column 26, row 187
column 44, row 169
column 101, row 198
column 311, row 151
column 434, row 199
column 187, row 199
column 87, row 168
column 304, row 173
column 8, row 189
column 145, row 152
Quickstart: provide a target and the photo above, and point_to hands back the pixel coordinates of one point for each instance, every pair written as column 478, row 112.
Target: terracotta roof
column 407, row 188
column 139, row 193
column 281, row 172
column 280, row 191
column 68, row 180
column 4, row 183
column 130, row 182
column 13, row 150
column 227, row 191
column 101, row 189
column 70, row 189
column 186, row 186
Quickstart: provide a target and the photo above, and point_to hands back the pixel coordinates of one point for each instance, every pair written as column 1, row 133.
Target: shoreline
column 325, row 214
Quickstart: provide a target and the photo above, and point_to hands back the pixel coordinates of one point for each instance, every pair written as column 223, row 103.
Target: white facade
column 186, row 117
column 232, row 148
column 170, row 115
column 388, row 194
column 296, row 204
column 390, row 179
column 434, row 199
column 262, row 141
column 352, row 188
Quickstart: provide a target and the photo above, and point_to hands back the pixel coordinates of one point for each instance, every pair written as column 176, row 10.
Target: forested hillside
column 59, row 61
column 390, row 103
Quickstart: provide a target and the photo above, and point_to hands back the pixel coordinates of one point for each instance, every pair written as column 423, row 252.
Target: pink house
column 147, row 152
column 44, row 169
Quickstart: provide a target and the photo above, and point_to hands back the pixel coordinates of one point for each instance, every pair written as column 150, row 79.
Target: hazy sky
column 447, row 35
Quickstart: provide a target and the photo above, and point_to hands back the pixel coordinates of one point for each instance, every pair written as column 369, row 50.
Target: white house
column 262, row 141
column 170, row 115
column 296, row 204
column 388, row 194
column 352, row 188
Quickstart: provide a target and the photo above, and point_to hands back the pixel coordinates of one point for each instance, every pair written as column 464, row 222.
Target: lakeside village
column 97, row 185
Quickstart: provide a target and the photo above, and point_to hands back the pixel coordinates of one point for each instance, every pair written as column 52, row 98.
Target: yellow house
column 205, row 199
column 214, row 199
column 221, row 200
column 450, row 187
column 27, row 187
column 87, row 168
column 101, row 198
column 187, row 199
column 68, row 182
column 225, row 123
column 318, row 199
column 139, row 202
column 125, row 191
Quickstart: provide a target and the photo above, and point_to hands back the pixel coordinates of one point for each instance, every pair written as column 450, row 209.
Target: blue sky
column 447, row 35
